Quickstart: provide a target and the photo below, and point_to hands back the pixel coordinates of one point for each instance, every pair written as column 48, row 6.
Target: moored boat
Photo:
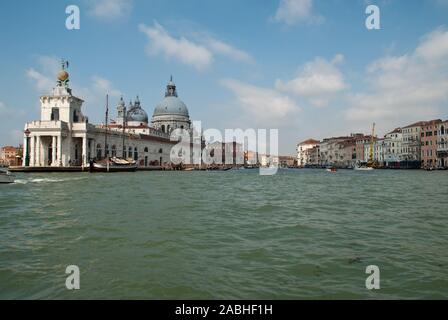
column 332, row 169
column 113, row 165
column 6, row 177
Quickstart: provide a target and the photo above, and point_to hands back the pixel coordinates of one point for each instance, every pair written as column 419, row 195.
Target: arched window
column 135, row 154
column 75, row 116
column 160, row 150
column 114, row 151
column 146, row 149
column 182, row 127
column 442, row 130
column 107, row 150
column 99, row 152
column 130, row 152
column 55, row 114
column 163, row 128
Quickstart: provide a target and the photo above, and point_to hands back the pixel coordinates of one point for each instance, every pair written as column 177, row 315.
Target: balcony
column 41, row 125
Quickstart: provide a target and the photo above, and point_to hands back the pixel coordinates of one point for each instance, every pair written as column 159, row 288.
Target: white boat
column 363, row 168
column 114, row 165
column 6, row 177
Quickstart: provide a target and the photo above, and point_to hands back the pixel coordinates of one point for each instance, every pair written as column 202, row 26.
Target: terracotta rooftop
column 309, row 141
column 396, row 130
column 423, row 123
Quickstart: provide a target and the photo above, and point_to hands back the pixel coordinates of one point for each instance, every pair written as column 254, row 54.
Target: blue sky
column 309, row 68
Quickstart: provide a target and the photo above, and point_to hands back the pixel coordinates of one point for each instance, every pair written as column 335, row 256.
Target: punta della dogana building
column 63, row 136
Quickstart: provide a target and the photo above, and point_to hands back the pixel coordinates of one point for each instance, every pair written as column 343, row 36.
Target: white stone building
column 63, row 136
column 393, row 153
column 304, row 153
column 411, row 145
column 442, row 145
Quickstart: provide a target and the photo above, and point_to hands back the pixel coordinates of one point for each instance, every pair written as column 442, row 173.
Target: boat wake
column 46, row 180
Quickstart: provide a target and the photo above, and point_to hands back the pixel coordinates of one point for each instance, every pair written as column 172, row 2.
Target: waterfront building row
column 423, row 144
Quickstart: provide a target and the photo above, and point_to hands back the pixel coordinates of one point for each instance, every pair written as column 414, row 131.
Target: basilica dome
column 171, row 105
column 171, row 113
column 136, row 114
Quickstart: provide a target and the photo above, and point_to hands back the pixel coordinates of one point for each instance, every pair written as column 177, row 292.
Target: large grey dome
column 171, row 104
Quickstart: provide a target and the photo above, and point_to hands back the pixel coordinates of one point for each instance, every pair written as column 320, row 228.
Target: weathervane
column 64, row 64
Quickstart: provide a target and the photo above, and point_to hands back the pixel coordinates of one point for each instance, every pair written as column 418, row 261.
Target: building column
column 84, row 152
column 53, row 151
column 25, row 155
column 33, row 151
column 59, row 151
column 40, row 151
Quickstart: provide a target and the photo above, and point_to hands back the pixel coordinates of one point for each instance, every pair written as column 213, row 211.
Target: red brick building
column 428, row 134
column 10, row 156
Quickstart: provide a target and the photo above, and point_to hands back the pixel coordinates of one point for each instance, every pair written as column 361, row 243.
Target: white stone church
column 63, row 137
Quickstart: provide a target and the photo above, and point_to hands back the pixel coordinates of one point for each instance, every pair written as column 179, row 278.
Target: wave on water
column 46, row 180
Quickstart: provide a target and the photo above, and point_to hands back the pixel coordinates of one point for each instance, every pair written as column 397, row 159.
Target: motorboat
column 332, row 169
column 359, row 166
column 6, row 177
column 363, row 168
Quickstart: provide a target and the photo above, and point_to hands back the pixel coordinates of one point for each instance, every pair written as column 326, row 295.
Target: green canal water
column 301, row 234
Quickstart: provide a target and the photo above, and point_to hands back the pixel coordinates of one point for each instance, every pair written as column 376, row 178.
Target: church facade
column 63, row 137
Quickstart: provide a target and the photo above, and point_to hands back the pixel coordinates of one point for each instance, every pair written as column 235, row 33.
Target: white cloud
column 45, row 79
column 405, row 88
column 225, row 49
column 262, row 105
column 293, row 12
column 434, row 48
column 110, row 9
column 182, row 49
column 102, row 85
column 9, row 112
column 318, row 81
column 199, row 53
column 41, row 82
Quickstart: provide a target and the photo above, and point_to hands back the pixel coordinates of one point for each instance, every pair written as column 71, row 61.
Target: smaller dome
column 63, row 75
column 136, row 113
column 121, row 103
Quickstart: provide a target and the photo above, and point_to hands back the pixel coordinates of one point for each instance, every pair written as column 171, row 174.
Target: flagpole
column 105, row 140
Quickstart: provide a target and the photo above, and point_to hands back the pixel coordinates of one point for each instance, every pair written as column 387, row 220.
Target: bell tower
column 121, row 112
column 61, row 105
